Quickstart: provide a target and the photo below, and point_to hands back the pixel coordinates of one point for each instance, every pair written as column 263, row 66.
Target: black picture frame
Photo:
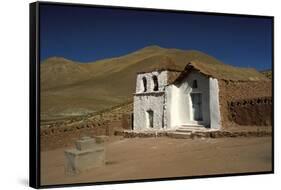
column 34, row 94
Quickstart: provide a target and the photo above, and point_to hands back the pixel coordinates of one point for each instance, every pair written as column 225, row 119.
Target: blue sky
column 87, row 34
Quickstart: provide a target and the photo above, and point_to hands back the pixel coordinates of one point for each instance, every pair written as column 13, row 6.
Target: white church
column 169, row 98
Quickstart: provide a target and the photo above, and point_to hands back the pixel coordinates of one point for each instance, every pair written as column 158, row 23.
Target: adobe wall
column 64, row 134
column 127, row 121
column 231, row 91
column 255, row 112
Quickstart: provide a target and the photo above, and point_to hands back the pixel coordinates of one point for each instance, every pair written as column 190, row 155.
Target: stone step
column 191, row 129
column 180, row 135
column 192, row 126
column 182, row 130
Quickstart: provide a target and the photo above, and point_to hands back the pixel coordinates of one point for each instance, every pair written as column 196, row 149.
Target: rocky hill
column 70, row 88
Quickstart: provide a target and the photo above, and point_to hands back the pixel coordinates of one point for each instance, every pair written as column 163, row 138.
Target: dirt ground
column 143, row 158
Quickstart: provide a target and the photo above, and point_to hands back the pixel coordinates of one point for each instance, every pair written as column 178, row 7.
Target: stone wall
column 127, row 121
column 65, row 133
column 231, row 91
column 253, row 112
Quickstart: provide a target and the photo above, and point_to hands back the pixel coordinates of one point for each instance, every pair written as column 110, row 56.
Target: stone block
column 78, row 161
column 85, row 143
column 101, row 139
column 86, row 155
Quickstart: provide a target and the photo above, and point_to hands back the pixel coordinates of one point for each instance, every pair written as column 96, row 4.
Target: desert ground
column 143, row 158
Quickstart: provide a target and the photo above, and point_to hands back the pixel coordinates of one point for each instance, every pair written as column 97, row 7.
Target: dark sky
column 88, row 34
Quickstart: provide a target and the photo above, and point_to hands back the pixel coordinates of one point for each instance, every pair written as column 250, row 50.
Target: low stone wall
column 133, row 134
column 251, row 112
column 231, row 91
column 65, row 136
column 103, row 123
column 194, row 135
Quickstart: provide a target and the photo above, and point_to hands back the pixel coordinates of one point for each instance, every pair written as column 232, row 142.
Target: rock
column 101, row 139
column 85, row 143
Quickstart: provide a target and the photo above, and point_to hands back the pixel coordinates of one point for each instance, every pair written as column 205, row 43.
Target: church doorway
column 196, row 99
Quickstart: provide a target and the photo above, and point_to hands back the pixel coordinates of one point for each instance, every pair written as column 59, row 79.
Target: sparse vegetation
column 267, row 73
column 95, row 86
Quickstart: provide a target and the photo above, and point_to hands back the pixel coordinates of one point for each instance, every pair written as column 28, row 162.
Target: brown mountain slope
column 70, row 88
column 57, row 71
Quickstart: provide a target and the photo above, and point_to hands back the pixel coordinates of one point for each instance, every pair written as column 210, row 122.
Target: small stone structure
column 87, row 154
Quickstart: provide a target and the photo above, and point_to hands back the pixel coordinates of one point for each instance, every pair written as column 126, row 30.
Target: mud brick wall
column 66, row 133
column 231, row 91
column 253, row 112
column 127, row 121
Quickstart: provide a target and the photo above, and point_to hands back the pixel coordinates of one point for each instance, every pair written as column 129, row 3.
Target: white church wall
column 171, row 106
column 143, row 103
column 214, row 104
column 179, row 101
column 149, row 100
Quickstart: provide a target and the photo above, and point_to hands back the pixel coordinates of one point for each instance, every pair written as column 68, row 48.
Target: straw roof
column 222, row 71
column 164, row 63
column 212, row 69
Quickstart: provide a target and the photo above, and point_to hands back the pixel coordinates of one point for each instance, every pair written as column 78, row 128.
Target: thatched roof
column 222, row 71
column 210, row 69
column 164, row 63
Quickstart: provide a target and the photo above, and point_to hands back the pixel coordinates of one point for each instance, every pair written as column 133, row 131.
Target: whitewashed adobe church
column 168, row 98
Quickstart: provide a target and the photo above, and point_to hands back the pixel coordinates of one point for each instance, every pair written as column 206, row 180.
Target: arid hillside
column 70, row 88
column 267, row 73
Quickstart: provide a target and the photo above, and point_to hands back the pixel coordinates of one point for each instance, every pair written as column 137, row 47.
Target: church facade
column 168, row 98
